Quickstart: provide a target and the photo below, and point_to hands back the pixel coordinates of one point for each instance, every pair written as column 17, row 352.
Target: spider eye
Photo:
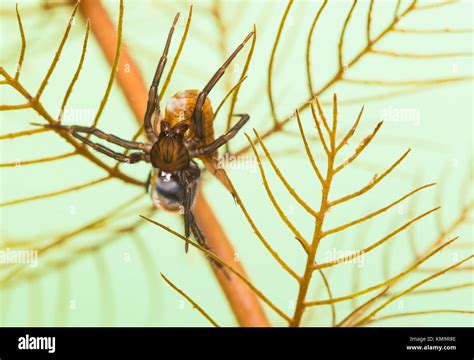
column 167, row 133
column 181, row 128
column 164, row 126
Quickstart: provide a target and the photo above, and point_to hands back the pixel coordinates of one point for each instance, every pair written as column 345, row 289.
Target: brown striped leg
column 221, row 140
column 153, row 106
column 129, row 159
column 133, row 145
column 196, row 120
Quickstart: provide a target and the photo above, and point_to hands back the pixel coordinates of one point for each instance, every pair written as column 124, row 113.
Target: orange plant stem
column 244, row 303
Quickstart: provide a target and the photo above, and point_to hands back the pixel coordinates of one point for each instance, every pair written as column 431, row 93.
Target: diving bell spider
column 184, row 133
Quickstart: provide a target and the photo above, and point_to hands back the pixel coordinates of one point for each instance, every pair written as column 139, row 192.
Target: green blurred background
column 118, row 284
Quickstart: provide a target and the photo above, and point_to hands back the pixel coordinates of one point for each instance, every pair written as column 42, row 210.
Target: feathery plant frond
column 33, row 101
column 61, row 250
column 319, row 232
column 341, row 74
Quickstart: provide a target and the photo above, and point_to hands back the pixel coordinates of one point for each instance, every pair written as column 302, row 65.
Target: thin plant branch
column 274, row 202
column 376, row 244
column 78, row 70
column 57, row 192
column 411, row 288
column 193, row 303
column 37, row 161
column 113, row 67
column 388, row 282
column 272, row 60
column 309, row 154
column 23, row 45
column 51, row 68
column 290, row 189
column 416, row 313
column 308, row 47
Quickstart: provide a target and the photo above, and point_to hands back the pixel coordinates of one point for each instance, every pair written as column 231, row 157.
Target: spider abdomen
column 167, row 189
column 170, row 190
column 180, row 107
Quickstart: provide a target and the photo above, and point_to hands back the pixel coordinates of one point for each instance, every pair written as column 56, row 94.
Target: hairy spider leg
column 152, row 105
column 189, row 177
column 196, row 119
column 197, row 232
column 132, row 158
column 129, row 159
column 148, row 182
column 188, row 215
column 221, row 140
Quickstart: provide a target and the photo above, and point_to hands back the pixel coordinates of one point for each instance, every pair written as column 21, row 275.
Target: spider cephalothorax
column 174, row 140
column 169, row 152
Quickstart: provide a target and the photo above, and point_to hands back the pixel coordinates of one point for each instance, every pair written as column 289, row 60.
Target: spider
column 184, row 133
